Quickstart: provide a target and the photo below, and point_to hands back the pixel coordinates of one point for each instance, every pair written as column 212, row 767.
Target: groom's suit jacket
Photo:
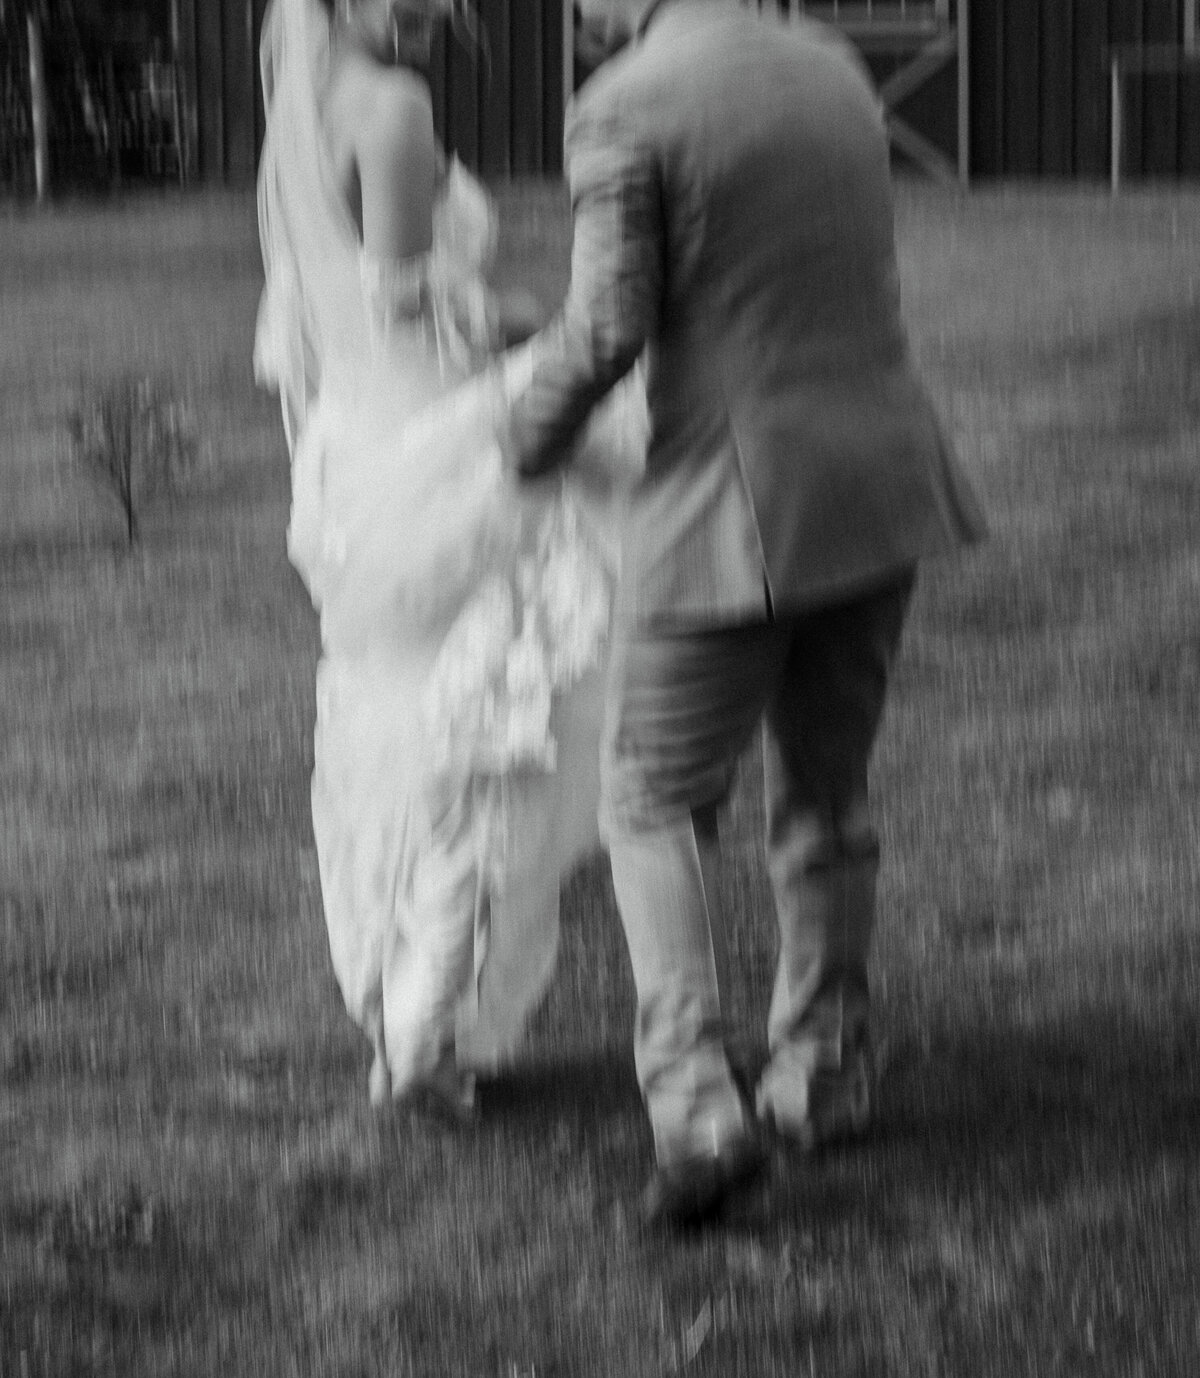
column 733, row 219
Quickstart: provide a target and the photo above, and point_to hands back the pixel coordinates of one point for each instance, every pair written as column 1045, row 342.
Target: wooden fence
column 1038, row 72
column 498, row 100
column 1041, row 97
column 1039, row 82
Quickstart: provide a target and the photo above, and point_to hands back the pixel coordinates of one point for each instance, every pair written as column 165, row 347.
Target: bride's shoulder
column 373, row 106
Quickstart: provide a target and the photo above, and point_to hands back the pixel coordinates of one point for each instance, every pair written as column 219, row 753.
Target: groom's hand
column 516, row 462
column 518, row 457
column 521, row 316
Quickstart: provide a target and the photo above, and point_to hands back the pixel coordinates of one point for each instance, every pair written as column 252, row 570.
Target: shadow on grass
column 579, row 1088
column 1024, row 1190
column 1089, row 1108
column 1008, row 1170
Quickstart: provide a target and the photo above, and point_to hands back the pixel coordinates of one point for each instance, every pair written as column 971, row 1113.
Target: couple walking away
column 563, row 580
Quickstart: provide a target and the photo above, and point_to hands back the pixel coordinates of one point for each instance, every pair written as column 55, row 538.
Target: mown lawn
column 191, row 1181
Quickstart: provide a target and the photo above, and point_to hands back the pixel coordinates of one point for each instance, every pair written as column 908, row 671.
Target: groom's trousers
column 684, row 704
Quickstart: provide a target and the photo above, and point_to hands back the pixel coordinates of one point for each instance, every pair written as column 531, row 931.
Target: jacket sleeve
column 612, row 303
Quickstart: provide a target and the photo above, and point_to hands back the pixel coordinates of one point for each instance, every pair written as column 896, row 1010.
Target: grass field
column 191, row 1181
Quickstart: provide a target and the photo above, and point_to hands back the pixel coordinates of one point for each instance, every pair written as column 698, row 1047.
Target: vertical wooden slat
column 552, row 87
column 1125, row 27
column 1189, row 98
column 1189, row 123
column 1021, row 88
column 39, row 102
column 462, row 97
column 187, row 77
column 987, row 87
column 1161, row 24
column 1116, row 106
column 527, row 69
column 438, row 82
column 963, row 139
column 568, row 52
column 495, row 135
column 238, row 88
column 1057, row 81
column 210, row 95
column 1090, row 62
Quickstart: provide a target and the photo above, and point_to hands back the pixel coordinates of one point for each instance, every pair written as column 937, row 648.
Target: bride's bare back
column 379, row 124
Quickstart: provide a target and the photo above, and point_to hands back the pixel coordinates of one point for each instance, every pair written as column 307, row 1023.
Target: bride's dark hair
column 459, row 12
column 463, row 17
column 462, row 14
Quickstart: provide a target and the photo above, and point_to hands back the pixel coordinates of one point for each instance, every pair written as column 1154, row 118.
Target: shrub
column 135, row 438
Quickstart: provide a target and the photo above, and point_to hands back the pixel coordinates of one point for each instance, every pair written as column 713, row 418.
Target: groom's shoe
column 446, row 1095
column 449, row 1104
column 692, row 1191
column 819, row 1107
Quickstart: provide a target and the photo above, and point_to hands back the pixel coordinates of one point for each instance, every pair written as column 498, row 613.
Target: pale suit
column 733, row 222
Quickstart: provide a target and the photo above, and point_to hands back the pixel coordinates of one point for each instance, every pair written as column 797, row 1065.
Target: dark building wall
column 498, row 99
column 218, row 52
column 1040, row 99
column 1039, row 89
column 1039, row 86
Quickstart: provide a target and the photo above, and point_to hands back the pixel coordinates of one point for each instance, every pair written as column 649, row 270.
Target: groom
column 733, row 220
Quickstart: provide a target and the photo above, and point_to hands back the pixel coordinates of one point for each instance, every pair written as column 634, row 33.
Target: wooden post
column 187, row 84
column 1116, row 129
column 962, row 18
column 220, row 171
column 177, row 98
column 252, row 75
column 38, row 108
column 568, row 53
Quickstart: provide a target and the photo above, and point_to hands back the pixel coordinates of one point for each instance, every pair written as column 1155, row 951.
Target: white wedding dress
column 464, row 617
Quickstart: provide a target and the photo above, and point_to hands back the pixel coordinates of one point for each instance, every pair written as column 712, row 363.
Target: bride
column 463, row 622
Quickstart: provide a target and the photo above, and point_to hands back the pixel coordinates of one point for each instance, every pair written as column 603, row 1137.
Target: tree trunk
column 38, row 105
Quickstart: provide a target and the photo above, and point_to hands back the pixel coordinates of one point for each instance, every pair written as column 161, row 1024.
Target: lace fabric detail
column 395, row 291
column 453, row 314
column 519, row 641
